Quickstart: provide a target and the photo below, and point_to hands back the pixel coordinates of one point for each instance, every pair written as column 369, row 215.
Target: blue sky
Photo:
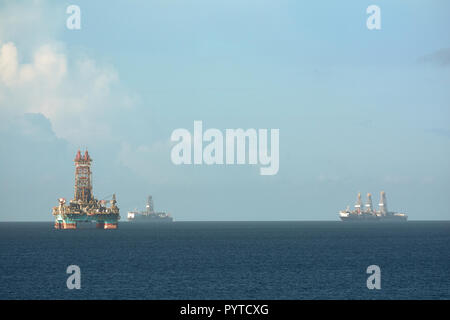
column 358, row 110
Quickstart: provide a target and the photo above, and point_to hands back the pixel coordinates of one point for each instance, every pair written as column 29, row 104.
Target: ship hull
column 357, row 218
column 143, row 219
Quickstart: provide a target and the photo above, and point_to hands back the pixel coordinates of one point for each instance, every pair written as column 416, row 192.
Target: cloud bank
column 77, row 95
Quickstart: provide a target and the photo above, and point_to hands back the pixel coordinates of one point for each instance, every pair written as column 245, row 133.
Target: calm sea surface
column 226, row 260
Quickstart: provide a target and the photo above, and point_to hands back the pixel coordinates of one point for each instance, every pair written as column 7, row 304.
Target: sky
column 358, row 110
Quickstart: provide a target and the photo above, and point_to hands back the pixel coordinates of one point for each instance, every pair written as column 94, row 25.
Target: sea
column 227, row 260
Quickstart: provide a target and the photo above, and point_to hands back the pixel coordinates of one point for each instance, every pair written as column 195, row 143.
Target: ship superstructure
column 369, row 214
column 84, row 207
column 149, row 214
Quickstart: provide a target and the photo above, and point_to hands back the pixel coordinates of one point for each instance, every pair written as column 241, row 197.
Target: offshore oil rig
column 369, row 214
column 84, row 207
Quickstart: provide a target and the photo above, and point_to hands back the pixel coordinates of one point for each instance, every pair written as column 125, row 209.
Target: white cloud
column 48, row 67
column 8, row 63
column 77, row 95
column 30, row 23
column 81, row 97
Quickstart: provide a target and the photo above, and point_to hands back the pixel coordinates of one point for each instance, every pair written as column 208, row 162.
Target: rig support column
column 112, row 225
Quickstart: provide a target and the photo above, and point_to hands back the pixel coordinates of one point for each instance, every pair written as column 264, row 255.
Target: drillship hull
column 357, row 218
column 362, row 218
column 150, row 219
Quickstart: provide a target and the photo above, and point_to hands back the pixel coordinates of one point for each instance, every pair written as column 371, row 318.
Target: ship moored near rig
column 149, row 215
column 369, row 214
column 84, row 207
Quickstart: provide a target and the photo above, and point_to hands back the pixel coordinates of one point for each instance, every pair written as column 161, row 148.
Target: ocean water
column 226, row 260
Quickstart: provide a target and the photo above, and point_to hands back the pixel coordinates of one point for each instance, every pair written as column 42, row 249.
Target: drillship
column 369, row 214
column 149, row 215
column 84, row 207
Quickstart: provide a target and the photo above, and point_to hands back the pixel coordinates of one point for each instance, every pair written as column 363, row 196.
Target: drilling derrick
column 149, row 206
column 83, row 183
column 369, row 206
column 358, row 204
column 84, row 207
column 383, row 204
